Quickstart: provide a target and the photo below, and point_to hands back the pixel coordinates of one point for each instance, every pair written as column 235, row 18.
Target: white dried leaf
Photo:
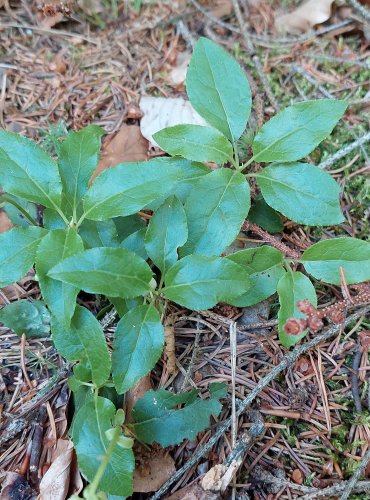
column 162, row 112
column 304, row 17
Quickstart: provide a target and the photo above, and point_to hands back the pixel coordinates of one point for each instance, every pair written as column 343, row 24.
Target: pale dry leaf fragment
column 221, row 8
column 91, row 7
column 127, row 145
column 194, row 492
column 155, row 468
column 304, row 17
column 178, row 74
column 212, row 481
column 5, row 222
column 55, row 483
column 162, row 112
column 135, row 393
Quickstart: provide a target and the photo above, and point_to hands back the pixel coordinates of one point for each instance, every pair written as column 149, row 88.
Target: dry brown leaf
column 221, row 8
column 5, row 222
column 127, row 145
column 55, row 483
column 135, row 393
column 297, row 476
column 304, row 17
column 194, row 492
column 155, row 467
column 162, row 112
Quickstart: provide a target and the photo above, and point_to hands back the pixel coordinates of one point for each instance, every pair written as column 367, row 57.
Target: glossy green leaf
column 99, row 233
column 167, row 231
column 83, row 340
column 218, row 89
column 27, row 171
column 25, row 317
column 128, row 225
column 200, row 282
column 190, row 173
column 17, row 252
column 78, row 158
column 136, row 243
column 265, row 216
column 302, row 192
column 15, row 215
column 122, row 306
column 52, row 220
column 60, row 297
column 195, row 142
column 115, row 272
column 128, row 187
column 215, row 210
column 91, row 444
column 297, row 130
column 137, row 346
column 264, row 266
column 156, row 420
column 292, row 288
column 324, row 260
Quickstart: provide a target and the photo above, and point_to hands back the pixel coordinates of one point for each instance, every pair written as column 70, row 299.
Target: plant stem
column 104, row 463
column 21, row 209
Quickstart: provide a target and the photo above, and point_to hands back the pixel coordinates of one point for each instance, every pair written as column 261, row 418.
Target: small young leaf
column 195, row 142
column 129, row 187
column 265, row 216
column 264, row 266
column 115, row 272
column 200, row 282
column 297, row 130
column 324, row 259
column 99, row 233
column 60, row 297
column 293, row 287
column 302, row 192
column 83, row 340
column 78, row 158
column 136, row 243
column 157, row 421
column 167, row 231
column 27, row 171
column 218, row 89
column 25, row 317
column 215, row 210
column 17, row 252
column 91, row 444
column 137, row 346
column 15, row 215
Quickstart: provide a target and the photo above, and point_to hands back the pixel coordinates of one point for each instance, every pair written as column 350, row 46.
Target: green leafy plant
column 93, row 240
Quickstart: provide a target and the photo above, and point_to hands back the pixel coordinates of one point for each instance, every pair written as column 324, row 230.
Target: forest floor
column 92, row 64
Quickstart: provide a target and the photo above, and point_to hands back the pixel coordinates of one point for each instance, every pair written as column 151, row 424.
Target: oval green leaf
column 99, row 233
column 200, row 282
column 167, row 231
column 293, row 287
column 91, row 444
column 264, row 266
column 27, row 171
column 60, row 297
column 324, row 260
column 297, row 130
column 215, row 210
column 137, row 346
column 25, row 317
column 218, row 89
column 195, row 142
column 265, row 216
column 83, row 340
column 114, row 272
column 129, row 187
column 17, row 252
column 301, row 192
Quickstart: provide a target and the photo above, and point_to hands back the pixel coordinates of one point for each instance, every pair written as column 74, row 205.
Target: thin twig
column 356, row 475
column 47, row 31
column 354, row 380
column 361, row 10
column 287, row 360
column 345, row 151
column 289, row 252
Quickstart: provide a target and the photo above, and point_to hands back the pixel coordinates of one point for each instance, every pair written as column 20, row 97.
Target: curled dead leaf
column 304, row 17
column 155, row 468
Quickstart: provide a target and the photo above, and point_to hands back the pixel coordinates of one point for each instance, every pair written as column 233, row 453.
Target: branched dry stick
column 252, row 52
column 289, row 252
column 286, row 361
column 345, row 151
column 356, row 476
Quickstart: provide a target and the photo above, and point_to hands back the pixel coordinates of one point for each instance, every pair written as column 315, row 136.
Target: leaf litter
column 296, row 407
